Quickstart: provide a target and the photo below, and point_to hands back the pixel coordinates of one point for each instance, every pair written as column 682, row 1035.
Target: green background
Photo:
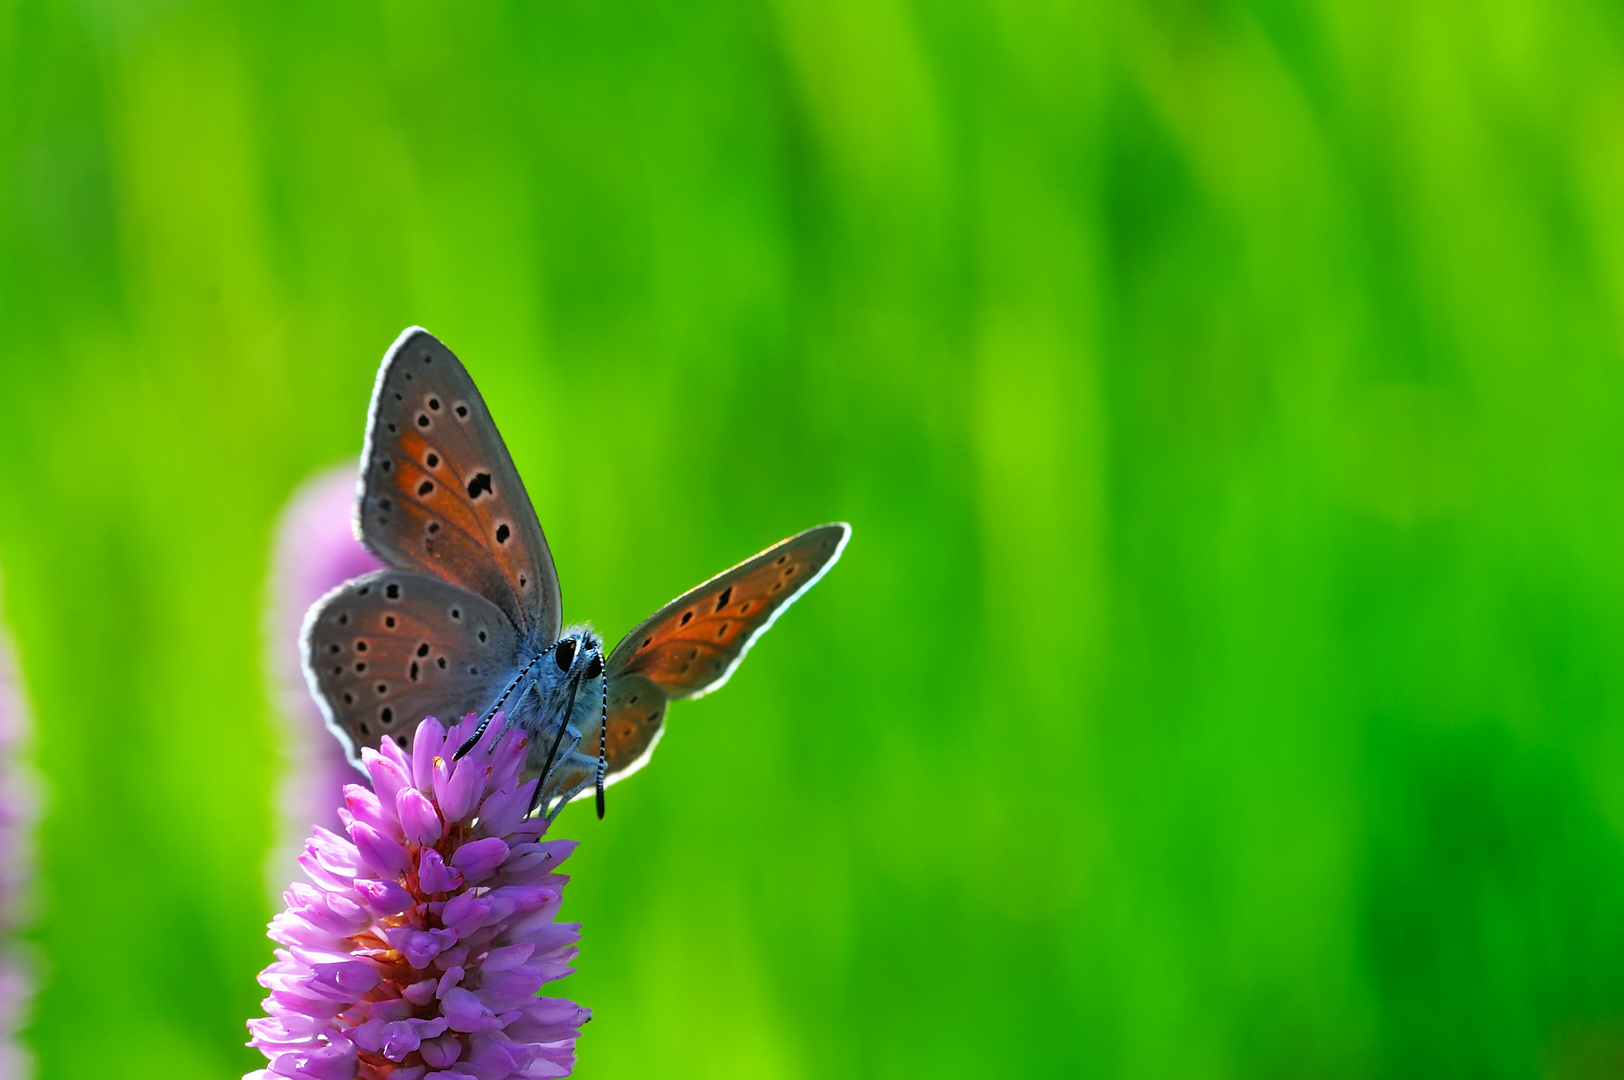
column 1224, row 677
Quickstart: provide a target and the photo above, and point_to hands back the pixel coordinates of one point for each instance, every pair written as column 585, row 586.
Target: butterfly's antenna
column 603, row 738
column 485, row 720
column 547, row 769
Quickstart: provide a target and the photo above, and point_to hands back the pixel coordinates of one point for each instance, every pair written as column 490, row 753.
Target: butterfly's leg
column 521, row 683
column 553, row 798
column 547, row 769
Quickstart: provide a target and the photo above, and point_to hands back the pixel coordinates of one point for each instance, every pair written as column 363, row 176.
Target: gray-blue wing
column 389, row 648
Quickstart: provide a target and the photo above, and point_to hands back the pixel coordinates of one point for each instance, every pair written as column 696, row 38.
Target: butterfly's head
column 579, row 654
column 570, row 673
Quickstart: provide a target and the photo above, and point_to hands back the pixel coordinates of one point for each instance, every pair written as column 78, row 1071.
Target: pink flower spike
column 400, row 967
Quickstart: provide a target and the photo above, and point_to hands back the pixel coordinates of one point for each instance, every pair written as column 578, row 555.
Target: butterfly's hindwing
column 636, row 719
column 440, row 494
column 636, row 711
column 391, row 647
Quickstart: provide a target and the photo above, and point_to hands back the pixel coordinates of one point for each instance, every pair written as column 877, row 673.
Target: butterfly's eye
column 564, row 655
column 594, row 667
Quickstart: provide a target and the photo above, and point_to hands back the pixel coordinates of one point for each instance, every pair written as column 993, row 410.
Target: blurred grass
column 1224, row 677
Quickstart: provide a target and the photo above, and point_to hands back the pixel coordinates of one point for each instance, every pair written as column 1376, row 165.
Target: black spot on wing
column 479, row 485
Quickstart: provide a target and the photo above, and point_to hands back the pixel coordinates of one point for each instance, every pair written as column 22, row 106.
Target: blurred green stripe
column 1223, row 678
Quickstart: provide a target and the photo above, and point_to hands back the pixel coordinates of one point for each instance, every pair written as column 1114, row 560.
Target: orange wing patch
column 694, row 642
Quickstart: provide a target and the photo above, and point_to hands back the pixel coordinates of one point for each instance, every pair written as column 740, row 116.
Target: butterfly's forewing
column 692, row 645
column 389, row 648
column 439, row 492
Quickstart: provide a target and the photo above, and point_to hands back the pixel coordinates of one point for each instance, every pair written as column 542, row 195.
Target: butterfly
column 467, row 615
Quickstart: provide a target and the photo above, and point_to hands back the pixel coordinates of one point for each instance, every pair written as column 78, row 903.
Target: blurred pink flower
column 316, row 550
column 19, row 801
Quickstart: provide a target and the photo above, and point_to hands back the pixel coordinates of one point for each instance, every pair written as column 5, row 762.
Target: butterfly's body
column 565, row 680
column 467, row 618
